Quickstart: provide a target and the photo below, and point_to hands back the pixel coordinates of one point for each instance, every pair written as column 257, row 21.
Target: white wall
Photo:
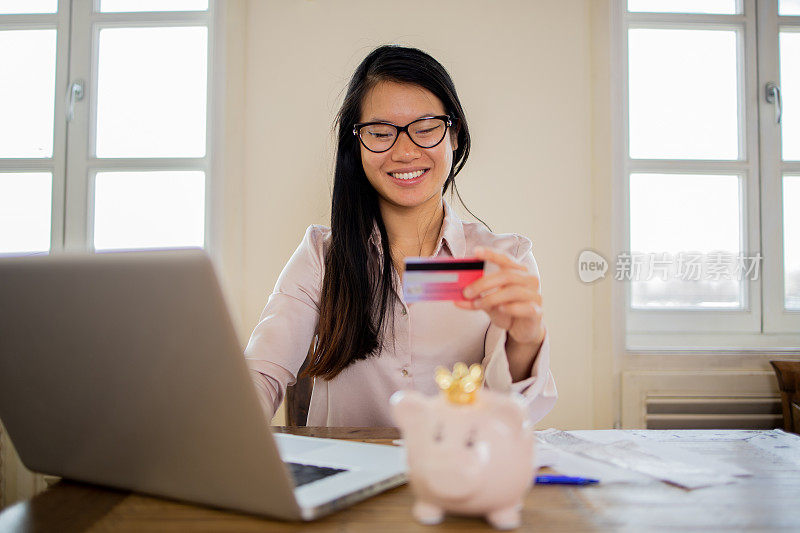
column 524, row 71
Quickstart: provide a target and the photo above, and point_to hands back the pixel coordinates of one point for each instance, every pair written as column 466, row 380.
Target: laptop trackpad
column 292, row 445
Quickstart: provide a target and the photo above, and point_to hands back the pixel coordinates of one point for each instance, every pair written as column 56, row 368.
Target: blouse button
column 404, row 372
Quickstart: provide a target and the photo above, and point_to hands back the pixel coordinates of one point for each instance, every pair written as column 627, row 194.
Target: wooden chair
column 298, row 396
column 788, row 373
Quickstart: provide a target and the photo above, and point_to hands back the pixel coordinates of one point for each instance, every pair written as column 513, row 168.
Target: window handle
column 74, row 94
column 773, row 96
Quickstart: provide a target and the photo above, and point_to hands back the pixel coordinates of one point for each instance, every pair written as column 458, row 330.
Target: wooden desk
column 764, row 502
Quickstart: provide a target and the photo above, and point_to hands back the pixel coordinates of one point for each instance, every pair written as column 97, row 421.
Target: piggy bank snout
column 451, row 481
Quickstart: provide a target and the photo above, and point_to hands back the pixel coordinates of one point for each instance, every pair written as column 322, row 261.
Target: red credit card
column 428, row 280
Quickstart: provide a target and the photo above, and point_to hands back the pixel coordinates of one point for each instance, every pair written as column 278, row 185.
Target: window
column 105, row 142
column 710, row 158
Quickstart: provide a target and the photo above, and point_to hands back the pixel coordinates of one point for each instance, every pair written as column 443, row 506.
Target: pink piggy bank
column 469, row 458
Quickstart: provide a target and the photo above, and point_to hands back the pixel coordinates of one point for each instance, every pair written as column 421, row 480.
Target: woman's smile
column 408, row 178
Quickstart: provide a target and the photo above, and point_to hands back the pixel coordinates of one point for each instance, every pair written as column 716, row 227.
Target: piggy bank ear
column 510, row 412
column 408, row 407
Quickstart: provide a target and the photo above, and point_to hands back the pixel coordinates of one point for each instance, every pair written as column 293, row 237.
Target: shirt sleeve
column 280, row 342
column 538, row 390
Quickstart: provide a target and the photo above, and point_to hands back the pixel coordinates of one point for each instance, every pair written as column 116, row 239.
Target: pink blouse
column 426, row 335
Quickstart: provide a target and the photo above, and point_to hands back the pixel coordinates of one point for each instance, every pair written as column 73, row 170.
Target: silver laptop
column 124, row 370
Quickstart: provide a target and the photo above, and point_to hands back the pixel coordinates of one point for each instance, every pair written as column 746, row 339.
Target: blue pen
column 565, row 480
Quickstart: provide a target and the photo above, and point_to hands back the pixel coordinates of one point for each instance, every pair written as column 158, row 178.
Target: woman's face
column 400, row 104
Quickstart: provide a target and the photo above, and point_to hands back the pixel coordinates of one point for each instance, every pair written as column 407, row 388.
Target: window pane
column 9, row 7
column 791, row 240
column 151, row 98
column 683, row 94
column 695, row 221
column 725, row 7
column 121, row 6
column 789, row 7
column 25, row 206
column 27, row 89
column 790, row 94
column 137, row 210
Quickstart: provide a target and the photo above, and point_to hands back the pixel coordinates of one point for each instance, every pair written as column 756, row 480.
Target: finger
column 499, row 279
column 502, row 277
column 497, row 257
column 521, row 309
column 464, row 304
column 514, row 293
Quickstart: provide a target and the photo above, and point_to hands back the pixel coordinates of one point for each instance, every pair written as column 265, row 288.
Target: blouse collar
column 452, row 234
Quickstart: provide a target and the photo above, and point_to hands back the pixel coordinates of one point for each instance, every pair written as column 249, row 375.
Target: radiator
column 700, row 400
column 713, row 412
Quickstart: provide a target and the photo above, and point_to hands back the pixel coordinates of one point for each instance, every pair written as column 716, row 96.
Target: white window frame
column 776, row 318
column 83, row 165
column 73, row 166
column 56, row 164
column 756, row 327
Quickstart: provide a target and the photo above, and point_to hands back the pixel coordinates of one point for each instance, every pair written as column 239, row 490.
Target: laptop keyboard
column 303, row 474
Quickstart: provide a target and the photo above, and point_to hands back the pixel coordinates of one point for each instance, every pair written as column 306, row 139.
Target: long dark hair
column 357, row 289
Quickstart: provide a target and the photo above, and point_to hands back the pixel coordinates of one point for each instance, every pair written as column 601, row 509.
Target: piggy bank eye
column 437, row 435
column 470, row 440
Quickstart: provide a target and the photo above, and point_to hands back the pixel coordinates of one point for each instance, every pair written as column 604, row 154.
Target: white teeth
column 408, row 175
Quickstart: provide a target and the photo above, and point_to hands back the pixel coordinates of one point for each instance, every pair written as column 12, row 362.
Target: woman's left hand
column 510, row 296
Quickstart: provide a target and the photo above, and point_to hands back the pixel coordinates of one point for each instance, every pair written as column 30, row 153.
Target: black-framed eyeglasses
column 425, row 132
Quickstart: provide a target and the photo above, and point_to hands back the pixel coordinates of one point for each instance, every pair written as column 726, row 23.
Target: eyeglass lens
column 425, row 133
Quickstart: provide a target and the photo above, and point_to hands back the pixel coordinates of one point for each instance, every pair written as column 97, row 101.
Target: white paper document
column 571, row 464
column 624, row 456
column 780, row 444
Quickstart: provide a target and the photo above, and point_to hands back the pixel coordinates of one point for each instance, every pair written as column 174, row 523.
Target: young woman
column 402, row 139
